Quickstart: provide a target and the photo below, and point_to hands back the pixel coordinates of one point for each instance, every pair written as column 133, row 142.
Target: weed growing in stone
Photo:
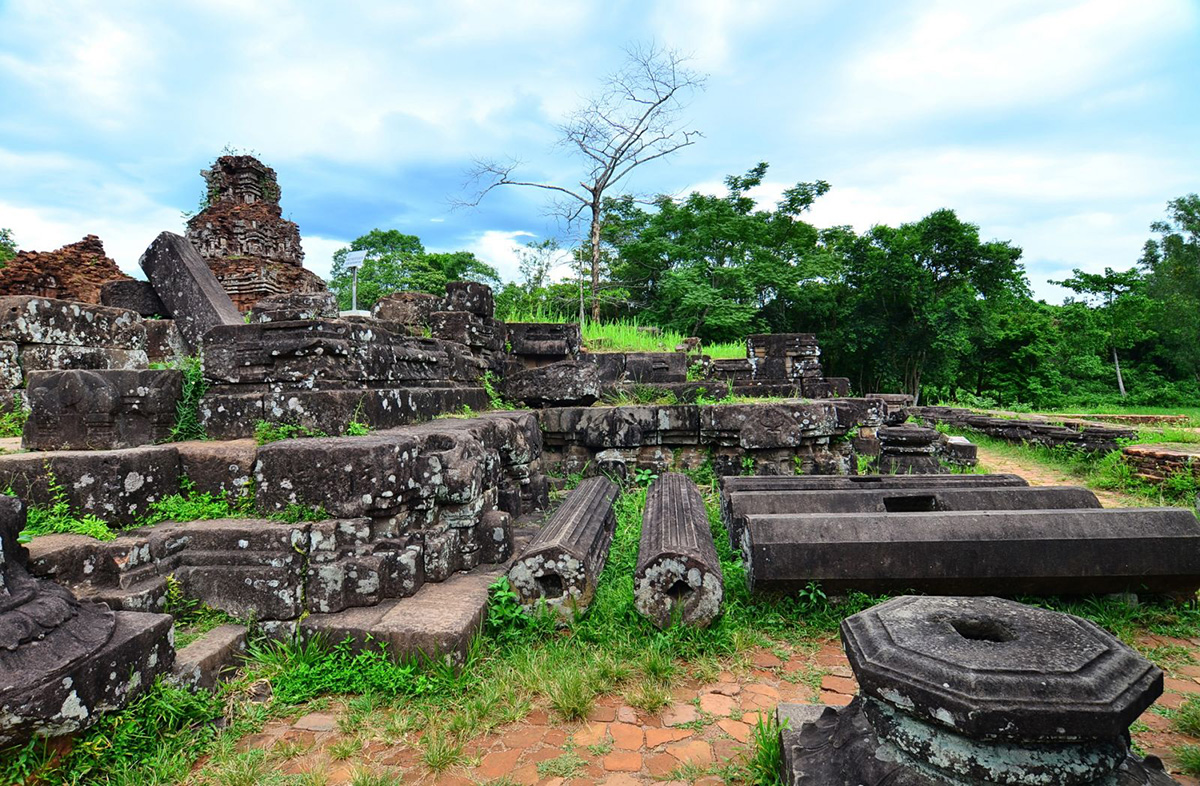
column 266, row 432
column 58, row 518
column 766, row 752
column 12, row 422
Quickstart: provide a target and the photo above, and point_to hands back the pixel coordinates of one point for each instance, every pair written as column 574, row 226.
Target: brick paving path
column 704, row 727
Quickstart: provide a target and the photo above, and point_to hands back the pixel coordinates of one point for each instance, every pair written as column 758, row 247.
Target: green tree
column 1172, row 266
column 714, row 266
column 8, row 246
column 1121, row 304
column 397, row 262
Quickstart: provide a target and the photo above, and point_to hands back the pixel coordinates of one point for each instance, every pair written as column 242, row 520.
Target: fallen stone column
column 1035, row 552
column 677, row 570
column 563, row 562
column 902, row 500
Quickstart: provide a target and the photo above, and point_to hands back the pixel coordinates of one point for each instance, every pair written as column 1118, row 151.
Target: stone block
column 547, row 339
column 100, row 410
column 656, row 367
column 900, row 500
column 220, row 468
column 563, row 563
column 470, row 296
column 1033, row 552
column 10, row 366
column 295, row 306
column 678, row 574
column 164, row 344
column 37, row 320
column 348, row 476
column 437, row 622
column 187, row 287
column 407, row 308
column 118, row 486
column 565, row 383
column 210, row 659
column 136, row 296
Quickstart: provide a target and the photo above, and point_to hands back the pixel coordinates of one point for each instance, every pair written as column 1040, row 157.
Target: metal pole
column 354, row 290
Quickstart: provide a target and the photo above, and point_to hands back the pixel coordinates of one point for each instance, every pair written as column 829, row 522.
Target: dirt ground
column 706, row 726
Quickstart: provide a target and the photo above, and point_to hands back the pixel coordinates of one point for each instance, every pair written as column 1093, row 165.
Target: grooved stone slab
column 188, row 288
column 1033, row 552
column 677, row 570
column 564, row 562
column 201, row 663
column 902, row 500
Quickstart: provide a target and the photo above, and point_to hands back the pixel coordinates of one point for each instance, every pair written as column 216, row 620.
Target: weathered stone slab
column 735, row 484
column 136, row 296
column 51, row 357
column 347, row 476
column 294, row 306
column 439, row 621
column 10, row 366
column 188, row 288
column 981, row 552
column 352, row 563
column 210, row 659
column 564, row 562
column 658, row 367
column 38, row 320
column 63, row 662
column 116, row 485
column 900, row 500
column 678, row 573
column 100, row 410
column 562, row 384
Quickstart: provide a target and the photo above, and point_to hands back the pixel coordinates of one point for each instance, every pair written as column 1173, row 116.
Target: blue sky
column 1062, row 126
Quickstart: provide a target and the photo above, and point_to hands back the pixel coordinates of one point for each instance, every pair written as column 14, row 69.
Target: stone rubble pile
column 1079, row 435
column 77, row 271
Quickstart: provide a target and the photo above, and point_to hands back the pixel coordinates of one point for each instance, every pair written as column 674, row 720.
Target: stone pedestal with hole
column 975, row 692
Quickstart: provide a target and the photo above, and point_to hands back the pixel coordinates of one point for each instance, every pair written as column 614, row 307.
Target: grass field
column 630, row 336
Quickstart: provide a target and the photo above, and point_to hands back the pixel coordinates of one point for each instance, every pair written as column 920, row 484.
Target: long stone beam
column 978, row 553
column 677, row 571
column 563, row 563
column 928, row 499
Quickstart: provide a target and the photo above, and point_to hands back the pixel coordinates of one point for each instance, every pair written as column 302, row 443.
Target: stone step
column 210, row 658
column 439, row 621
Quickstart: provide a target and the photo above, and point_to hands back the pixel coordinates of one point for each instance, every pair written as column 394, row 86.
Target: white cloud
column 318, row 253
column 125, row 238
column 963, row 58
column 502, row 250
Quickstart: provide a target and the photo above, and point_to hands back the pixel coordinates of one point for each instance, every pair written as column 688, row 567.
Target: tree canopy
column 397, row 262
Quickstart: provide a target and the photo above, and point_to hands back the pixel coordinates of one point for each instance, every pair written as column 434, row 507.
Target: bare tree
column 633, row 120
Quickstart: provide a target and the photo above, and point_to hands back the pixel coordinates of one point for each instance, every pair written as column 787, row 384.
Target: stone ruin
column 394, row 536
column 242, row 235
column 977, row 691
column 76, row 271
column 1073, row 433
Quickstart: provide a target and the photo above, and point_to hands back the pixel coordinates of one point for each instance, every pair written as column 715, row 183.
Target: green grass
column 1189, row 759
column 1107, row 472
column 627, row 335
column 187, row 411
column 266, row 432
column 12, row 422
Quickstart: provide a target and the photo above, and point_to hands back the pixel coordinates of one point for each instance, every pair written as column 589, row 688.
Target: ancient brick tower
column 251, row 248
